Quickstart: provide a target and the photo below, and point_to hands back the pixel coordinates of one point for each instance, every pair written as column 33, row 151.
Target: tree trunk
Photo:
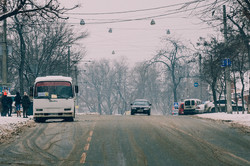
column 22, row 58
column 235, row 94
column 99, row 104
column 214, row 95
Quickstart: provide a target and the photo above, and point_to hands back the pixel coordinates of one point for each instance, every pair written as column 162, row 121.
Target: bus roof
column 53, row 78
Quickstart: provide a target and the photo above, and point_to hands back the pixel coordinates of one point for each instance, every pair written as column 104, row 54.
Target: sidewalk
column 13, row 119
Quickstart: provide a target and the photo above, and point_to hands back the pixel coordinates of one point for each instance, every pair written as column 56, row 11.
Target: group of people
column 7, row 102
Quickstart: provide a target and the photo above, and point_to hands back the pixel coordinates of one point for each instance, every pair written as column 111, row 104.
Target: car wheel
column 132, row 113
column 213, row 110
column 149, row 112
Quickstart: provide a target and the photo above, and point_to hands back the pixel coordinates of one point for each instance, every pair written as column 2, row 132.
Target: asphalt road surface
column 139, row 140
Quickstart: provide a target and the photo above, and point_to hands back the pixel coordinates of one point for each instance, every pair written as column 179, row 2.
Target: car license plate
column 140, row 110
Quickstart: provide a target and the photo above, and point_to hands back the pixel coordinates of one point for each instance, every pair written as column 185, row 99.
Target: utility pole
column 68, row 62
column 228, row 80
column 200, row 77
column 4, row 48
column 76, row 83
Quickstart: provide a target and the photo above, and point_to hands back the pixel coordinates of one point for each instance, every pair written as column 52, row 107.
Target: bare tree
column 49, row 9
column 121, row 86
column 172, row 56
column 105, row 87
column 205, row 8
column 214, row 52
column 42, row 50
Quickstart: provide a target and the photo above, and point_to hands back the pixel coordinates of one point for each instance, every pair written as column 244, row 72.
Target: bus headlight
column 39, row 109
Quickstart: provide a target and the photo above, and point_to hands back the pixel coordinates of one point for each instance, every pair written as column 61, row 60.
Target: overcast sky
column 135, row 40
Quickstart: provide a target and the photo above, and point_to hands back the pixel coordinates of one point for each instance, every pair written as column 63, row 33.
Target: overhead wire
column 133, row 11
column 160, row 16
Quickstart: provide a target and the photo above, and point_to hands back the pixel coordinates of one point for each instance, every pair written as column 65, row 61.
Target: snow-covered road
column 10, row 125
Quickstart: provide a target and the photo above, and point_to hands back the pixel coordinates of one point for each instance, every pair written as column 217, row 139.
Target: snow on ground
column 13, row 125
column 242, row 119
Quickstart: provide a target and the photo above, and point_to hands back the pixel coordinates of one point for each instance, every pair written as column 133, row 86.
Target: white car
column 200, row 109
column 222, row 105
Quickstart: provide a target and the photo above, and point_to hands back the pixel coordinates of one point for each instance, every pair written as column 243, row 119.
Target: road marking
column 91, row 133
column 89, row 139
column 86, row 147
column 83, row 158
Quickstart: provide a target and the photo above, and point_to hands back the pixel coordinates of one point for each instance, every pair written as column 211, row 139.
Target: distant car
column 207, row 106
column 141, row 106
column 181, row 109
column 190, row 105
column 222, row 105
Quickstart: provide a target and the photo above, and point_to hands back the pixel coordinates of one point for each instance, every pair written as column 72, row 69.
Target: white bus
column 53, row 98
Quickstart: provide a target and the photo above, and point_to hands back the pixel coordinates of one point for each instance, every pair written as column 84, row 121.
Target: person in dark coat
column 4, row 102
column 17, row 100
column 10, row 101
column 26, row 104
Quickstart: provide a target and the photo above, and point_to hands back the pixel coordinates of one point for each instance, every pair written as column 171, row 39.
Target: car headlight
column 147, row 108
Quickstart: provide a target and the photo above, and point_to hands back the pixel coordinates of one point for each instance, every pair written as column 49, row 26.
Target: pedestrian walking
column 17, row 100
column 25, row 104
column 4, row 102
column 1, row 105
column 10, row 101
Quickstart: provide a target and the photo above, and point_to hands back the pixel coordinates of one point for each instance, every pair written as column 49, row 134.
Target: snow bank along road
column 12, row 126
column 240, row 120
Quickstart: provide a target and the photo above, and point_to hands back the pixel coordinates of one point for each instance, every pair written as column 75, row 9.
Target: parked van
column 190, row 105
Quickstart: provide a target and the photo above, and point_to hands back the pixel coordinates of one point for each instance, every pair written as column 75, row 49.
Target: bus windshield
column 52, row 89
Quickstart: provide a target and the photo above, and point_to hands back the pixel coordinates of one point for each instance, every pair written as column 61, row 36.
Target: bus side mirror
column 31, row 91
column 76, row 89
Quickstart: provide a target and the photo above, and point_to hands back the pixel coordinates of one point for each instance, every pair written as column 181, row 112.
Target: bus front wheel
column 39, row 120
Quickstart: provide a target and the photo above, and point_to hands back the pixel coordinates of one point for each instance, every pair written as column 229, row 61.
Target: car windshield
column 58, row 89
column 142, row 103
